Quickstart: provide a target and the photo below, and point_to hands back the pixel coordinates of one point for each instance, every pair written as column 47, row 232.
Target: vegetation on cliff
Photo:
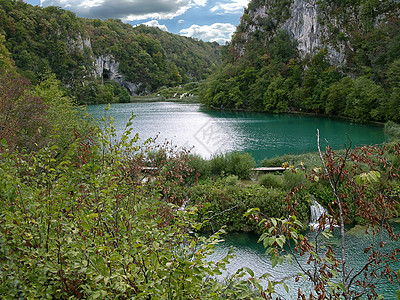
column 264, row 70
column 53, row 40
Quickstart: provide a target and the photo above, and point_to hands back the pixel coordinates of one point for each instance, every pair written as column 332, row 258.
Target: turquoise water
column 211, row 132
column 251, row 254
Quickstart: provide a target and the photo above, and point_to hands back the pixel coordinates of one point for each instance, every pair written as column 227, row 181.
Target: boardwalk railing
column 268, row 169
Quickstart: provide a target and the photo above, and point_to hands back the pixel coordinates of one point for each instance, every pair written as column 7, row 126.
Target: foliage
column 181, row 92
column 232, row 163
column 63, row 114
column 32, row 117
column 224, row 201
column 300, row 161
column 23, row 117
column 89, row 226
column 363, row 100
column 393, row 130
column 271, row 181
column 5, row 62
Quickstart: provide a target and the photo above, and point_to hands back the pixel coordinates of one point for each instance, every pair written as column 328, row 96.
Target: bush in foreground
column 88, row 226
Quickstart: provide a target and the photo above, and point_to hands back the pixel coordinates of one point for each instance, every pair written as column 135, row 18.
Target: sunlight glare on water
column 212, row 132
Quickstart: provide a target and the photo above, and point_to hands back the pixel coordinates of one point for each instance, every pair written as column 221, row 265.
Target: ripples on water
column 250, row 254
column 211, row 132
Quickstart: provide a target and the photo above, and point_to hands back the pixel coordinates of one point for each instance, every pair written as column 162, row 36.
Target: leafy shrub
column 200, row 166
column 323, row 193
column 276, row 161
column 239, row 164
column 231, row 180
column 393, row 130
column 24, row 120
column 234, row 163
column 294, row 178
column 224, row 203
column 88, row 226
column 271, row 181
column 301, row 161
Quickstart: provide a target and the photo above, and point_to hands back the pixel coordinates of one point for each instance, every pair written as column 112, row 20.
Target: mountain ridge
column 139, row 59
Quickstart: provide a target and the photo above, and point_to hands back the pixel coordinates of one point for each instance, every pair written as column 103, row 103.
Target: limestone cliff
column 313, row 24
column 333, row 57
column 107, row 68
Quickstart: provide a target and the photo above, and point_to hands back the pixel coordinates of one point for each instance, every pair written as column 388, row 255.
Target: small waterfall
column 183, row 206
column 317, row 210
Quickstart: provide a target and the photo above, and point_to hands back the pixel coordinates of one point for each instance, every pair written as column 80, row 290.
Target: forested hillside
column 339, row 58
column 100, row 61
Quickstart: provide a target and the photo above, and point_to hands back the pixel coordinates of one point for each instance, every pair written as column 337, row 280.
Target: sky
column 207, row 20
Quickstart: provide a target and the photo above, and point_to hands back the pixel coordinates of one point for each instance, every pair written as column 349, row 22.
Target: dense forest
column 53, row 40
column 353, row 71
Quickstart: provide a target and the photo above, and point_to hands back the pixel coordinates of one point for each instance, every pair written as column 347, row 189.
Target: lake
column 211, row 132
column 262, row 135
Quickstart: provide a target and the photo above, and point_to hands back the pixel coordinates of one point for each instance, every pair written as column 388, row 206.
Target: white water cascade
column 317, row 210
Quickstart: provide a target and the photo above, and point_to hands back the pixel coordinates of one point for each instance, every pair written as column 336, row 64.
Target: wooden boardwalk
column 268, row 169
column 260, row 169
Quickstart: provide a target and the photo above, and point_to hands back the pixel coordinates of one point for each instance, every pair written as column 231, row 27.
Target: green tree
column 276, row 96
column 364, row 100
column 24, row 121
column 336, row 98
column 65, row 117
column 5, row 62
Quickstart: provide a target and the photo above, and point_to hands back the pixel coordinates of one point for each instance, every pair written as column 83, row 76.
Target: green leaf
column 274, row 260
column 286, row 287
column 3, row 142
column 341, row 286
column 251, row 211
column 262, row 237
column 250, row 271
column 85, row 226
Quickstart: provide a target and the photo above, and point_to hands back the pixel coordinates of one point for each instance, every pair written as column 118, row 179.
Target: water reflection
column 211, row 132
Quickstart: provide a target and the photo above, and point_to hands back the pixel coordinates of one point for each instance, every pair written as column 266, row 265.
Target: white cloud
column 154, row 23
column 217, row 32
column 201, row 3
column 127, row 10
column 234, row 6
column 181, row 21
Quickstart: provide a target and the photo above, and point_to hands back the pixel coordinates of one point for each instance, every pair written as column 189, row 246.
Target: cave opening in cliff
column 106, row 74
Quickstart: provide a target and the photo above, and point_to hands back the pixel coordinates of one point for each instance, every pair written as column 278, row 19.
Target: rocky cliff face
column 315, row 25
column 300, row 19
column 303, row 26
column 106, row 68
